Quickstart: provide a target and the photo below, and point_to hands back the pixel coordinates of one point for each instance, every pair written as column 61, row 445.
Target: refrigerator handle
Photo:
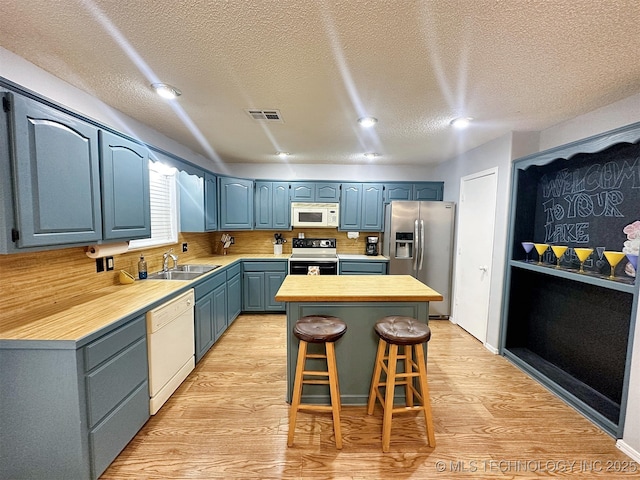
column 415, row 245
column 421, row 243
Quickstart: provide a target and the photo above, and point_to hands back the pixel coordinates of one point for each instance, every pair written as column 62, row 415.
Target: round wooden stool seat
column 319, row 328
column 400, row 330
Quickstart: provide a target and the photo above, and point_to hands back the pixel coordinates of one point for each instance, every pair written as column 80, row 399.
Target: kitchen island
column 360, row 301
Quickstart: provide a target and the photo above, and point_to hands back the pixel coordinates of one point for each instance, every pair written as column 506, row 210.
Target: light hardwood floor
column 229, row 420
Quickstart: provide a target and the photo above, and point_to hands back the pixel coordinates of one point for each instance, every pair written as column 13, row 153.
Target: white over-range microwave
column 319, row 215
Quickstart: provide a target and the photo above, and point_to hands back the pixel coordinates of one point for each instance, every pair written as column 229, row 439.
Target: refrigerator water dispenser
column 404, row 245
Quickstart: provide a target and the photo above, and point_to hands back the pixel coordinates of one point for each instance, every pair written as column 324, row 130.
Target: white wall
column 496, row 153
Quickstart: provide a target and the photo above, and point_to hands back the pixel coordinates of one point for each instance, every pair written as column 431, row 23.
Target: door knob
column 484, row 268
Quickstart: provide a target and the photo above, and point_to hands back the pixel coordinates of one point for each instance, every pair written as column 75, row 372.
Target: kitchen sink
column 183, row 272
column 191, row 267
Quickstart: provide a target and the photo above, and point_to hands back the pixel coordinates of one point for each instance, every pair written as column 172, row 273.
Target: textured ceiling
column 510, row 64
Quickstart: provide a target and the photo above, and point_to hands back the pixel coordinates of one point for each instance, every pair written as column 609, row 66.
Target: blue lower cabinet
column 362, row 267
column 234, row 293
column 261, row 281
column 210, row 314
column 71, row 410
column 204, row 328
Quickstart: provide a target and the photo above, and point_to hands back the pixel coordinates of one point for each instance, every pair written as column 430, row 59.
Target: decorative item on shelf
column 528, row 246
column 631, row 267
column 558, row 251
column 540, row 248
column 632, row 247
column 613, row 258
column 582, row 254
column 125, row 278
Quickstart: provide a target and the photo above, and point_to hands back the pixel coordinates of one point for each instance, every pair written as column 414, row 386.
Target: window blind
column 164, row 218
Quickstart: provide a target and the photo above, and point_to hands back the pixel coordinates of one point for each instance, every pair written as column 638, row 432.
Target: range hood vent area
column 270, row 116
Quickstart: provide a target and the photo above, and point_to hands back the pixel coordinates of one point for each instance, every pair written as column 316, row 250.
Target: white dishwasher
column 170, row 341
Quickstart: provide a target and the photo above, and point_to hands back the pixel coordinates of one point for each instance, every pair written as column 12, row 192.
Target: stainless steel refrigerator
column 418, row 240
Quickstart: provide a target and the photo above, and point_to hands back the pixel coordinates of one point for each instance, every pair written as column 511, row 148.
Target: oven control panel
column 314, row 243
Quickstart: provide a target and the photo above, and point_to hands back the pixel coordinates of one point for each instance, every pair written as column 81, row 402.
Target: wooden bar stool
column 323, row 329
column 395, row 331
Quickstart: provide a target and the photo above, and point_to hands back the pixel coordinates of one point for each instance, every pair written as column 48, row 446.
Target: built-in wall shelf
column 568, row 329
column 622, row 284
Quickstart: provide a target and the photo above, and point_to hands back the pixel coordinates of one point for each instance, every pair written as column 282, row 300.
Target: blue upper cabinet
column 398, row 191
column 236, row 203
column 361, row 207
column 57, row 176
column 272, row 206
column 198, row 202
column 328, row 192
column 413, row 191
column 303, row 192
column 210, row 202
column 372, row 211
column 428, row 191
column 350, row 206
column 125, row 188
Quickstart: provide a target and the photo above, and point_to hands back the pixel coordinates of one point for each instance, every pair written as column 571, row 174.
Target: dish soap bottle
column 142, row 268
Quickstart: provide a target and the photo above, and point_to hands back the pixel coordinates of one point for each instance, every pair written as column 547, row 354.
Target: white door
column 474, row 254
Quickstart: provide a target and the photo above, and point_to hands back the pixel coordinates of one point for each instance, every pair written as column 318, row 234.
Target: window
column 164, row 207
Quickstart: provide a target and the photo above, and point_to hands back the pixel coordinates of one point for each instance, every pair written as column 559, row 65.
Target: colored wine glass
column 540, row 248
column 582, row 254
column 528, row 246
column 613, row 258
column 633, row 260
column 558, row 251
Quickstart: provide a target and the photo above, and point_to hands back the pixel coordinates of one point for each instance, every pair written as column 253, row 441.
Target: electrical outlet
column 233, row 240
column 109, row 263
column 99, row 265
column 184, row 247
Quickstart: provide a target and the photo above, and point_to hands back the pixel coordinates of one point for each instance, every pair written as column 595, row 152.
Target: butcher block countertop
column 355, row 288
column 77, row 320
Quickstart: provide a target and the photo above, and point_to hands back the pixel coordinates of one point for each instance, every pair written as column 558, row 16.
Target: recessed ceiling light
column 371, row 155
column 367, row 122
column 166, row 91
column 283, row 154
column 461, row 122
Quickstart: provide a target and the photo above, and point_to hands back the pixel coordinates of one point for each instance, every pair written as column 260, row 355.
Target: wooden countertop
column 77, row 319
column 355, row 288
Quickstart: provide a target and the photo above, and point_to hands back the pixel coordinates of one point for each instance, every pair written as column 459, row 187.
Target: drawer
column 233, row 271
column 117, row 378
column 109, row 438
column 97, row 352
column 276, row 266
column 209, row 285
column 371, row 268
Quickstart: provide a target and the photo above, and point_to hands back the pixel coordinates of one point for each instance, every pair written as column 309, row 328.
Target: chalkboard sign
column 590, row 200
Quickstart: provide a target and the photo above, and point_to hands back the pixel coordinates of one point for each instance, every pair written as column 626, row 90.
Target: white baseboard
column 628, row 450
column 493, row 350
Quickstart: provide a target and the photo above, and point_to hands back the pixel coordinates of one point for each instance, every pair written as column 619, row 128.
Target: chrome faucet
column 166, row 256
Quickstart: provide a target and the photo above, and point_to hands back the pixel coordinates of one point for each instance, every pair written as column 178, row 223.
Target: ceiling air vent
column 265, row 115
